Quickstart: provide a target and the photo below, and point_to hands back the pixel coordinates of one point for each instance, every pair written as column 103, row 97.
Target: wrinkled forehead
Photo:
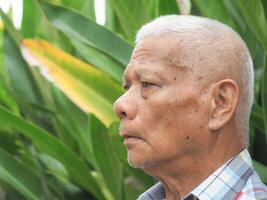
column 161, row 50
column 156, row 55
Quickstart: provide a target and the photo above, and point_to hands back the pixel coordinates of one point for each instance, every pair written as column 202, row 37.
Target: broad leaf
column 215, row 10
column 19, row 74
column 261, row 169
column 31, row 19
column 264, row 95
column 132, row 15
column 89, row 88
column 107, row 160
column 20, row 177
column 77, row 169
column 85, row 30
column 256, row 118
column 253, row 13
column 100, row 60
column 7, row 99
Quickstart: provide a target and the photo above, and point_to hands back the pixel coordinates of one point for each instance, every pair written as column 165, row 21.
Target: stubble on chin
column 142, row 164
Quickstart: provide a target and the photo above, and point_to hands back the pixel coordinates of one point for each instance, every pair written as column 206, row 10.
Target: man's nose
column 125, row 107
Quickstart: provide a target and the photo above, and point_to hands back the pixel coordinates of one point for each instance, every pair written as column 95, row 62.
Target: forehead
column 158, row 55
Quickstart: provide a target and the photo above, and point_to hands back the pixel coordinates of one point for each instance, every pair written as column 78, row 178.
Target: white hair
column 204, row 36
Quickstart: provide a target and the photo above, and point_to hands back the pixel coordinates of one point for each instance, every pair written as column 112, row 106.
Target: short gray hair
column 200, row 29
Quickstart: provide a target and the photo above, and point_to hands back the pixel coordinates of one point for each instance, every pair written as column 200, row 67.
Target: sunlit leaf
column 89, row 88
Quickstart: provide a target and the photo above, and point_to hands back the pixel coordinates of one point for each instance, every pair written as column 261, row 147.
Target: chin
column 140, row 162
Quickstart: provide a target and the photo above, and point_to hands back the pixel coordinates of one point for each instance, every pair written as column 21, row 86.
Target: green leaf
column 8, row 141
column 85, row 30
column 73, row 124
column 261, row 169
column 7, row 99
column 31, row 19
column 256, row 118
column 264, row 95
column 16, row 36
column 3, row 72
column 167, row 7
column 108, row 162
column 253, row 13
column 77, row 169
column 89, row 88
column 215, row 10
column 89, row 9
column 19, row 74
column 85, row 7
column 19, row 177
column 132, row 15
column 100, row 60
column 55, row 167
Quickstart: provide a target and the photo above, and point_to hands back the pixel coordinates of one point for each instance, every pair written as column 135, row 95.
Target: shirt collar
column 228, row 180
column 156, row 192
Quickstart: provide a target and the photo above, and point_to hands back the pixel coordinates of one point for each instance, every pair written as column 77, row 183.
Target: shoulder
column 253, row 189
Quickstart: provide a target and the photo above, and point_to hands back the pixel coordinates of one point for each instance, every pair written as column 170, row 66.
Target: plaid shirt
column 234, row 180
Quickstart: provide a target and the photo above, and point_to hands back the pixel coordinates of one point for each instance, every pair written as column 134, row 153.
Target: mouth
column 131, row 140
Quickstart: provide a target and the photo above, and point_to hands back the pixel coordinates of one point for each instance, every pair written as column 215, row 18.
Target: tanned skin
column 177, row 121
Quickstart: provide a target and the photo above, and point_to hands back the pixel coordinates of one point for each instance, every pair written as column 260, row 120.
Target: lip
column 130, row 138
column 130, row 141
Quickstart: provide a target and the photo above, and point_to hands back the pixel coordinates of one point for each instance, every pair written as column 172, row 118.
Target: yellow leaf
column 88, row 87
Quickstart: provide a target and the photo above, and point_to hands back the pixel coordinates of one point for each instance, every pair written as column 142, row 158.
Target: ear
column 224, row 100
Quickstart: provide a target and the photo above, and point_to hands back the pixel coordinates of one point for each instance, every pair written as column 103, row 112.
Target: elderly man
column 185, row 112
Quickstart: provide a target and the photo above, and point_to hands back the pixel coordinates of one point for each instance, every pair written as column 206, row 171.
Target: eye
column 147, row 84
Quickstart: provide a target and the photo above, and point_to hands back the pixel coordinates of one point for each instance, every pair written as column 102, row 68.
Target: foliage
column 59, row 136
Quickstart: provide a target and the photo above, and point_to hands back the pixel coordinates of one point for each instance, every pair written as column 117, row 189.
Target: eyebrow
column 146, row 72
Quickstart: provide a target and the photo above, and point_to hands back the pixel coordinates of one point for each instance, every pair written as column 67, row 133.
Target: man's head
column 189, row 84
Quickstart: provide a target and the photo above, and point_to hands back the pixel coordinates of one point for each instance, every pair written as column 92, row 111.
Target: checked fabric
column 234, row 180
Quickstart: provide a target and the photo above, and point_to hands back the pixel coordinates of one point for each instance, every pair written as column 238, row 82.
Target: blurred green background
column 59, row 76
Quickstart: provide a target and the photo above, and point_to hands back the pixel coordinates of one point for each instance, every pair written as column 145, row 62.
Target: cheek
column 177, row 119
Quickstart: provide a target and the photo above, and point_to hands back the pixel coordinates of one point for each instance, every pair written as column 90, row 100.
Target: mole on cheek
column 187, row 137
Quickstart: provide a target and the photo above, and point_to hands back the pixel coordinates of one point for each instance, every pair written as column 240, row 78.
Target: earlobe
column 223, row 103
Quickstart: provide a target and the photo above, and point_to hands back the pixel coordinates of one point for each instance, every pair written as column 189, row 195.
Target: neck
column 181, row 175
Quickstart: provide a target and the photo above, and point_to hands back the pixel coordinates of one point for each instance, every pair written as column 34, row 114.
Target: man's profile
column 185, row 112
